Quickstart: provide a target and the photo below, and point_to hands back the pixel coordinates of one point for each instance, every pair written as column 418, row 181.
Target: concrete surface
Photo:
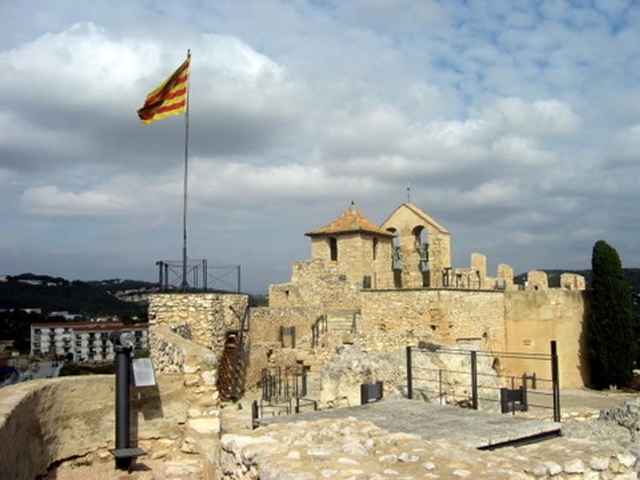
column 436, row 422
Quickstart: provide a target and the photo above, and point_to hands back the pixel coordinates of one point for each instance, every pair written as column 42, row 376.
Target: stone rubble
column 352, row 449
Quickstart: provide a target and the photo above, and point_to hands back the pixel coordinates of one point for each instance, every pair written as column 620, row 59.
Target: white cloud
column 51, row 201
column 516, row 150
column 17, row 132
column 501, row 116
column 80, row 66
column 542, row 118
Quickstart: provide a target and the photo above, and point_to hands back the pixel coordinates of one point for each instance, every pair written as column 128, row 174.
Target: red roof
column 351, row 221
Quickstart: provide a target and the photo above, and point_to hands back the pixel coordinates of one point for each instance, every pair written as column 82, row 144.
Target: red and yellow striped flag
column 169, row 98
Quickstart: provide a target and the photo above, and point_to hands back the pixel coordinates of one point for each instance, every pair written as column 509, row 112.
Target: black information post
column 123, row 342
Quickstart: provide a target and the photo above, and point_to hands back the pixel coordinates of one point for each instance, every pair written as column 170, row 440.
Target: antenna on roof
column 408, row 192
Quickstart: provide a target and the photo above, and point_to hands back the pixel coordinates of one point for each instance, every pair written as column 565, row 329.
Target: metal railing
column 200, row 276
column 236, row 373
column 320, row 326
column 283, row 393
column 452, row 376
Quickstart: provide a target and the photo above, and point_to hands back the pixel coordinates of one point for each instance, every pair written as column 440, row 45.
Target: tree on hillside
column 611, row 333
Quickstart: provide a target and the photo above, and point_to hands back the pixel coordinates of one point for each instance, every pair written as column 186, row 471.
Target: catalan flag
column 169, row 98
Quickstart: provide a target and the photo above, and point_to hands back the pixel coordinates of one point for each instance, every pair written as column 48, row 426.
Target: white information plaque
column 143, row 375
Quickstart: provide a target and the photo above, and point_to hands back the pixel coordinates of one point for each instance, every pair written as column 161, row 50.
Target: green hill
column 51, row 294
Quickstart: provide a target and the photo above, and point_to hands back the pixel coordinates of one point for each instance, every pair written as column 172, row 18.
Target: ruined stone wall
column 439, row 256
column 537, row 280
column 572, row 281
column 446, row 315
column 203, row 318
column 44, row 421
column 479, row 264
column 511, row 321
column 266, row 323
column 314, row 285
column 264, row 336
column 198, row 369
column 535, row 317
column 505, row 277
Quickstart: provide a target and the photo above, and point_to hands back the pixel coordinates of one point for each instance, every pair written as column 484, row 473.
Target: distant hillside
column 94, row 298
column 51, row 294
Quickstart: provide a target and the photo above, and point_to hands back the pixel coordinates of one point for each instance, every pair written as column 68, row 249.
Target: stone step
column 341, row 320
column 339, row 325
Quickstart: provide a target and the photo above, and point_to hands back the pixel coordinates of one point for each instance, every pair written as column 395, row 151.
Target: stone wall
column 414, row 227
column 512, row 321
column 265, row 341
column 315, row 283
column 535, row 317
column 203, row 318
column 358, row 255
column 446, row 315
column 537, row 280
column 266, row 323
column 44, row 421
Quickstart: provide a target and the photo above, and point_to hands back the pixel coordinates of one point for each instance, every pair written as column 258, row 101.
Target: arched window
column 333, row 248
column 421, row 245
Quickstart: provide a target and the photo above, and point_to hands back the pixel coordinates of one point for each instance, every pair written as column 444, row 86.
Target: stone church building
column 394, row 285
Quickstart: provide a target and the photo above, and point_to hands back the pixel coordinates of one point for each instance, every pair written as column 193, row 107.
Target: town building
column 85, row 341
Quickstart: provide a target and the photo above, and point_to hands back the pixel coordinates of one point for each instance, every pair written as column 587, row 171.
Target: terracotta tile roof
column 349, row 222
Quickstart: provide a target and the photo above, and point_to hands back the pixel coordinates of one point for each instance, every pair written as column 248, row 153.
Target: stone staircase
column 342, row 321
column 231, row 368
column 312, row 359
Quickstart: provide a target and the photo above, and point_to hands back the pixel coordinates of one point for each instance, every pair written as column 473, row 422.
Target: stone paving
column 433, row 422
column 369, row 445
column 349, row 448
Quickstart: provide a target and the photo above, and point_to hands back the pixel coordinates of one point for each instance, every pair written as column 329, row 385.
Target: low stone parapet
column 45, row 421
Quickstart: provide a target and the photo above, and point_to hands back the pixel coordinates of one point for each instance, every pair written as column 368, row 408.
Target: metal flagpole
column 184, row 286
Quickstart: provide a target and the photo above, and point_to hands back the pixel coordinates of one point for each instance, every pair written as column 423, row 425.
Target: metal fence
column 283, row 393
column 200, row 276
column 475, row 379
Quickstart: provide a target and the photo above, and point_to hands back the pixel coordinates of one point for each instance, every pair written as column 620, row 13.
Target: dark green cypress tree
column 611, row 333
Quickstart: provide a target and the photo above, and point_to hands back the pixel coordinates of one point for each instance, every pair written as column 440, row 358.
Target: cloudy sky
column 516, row 124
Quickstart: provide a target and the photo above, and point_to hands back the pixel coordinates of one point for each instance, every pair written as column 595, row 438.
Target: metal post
column 409, row 375
column 122, row 405
column 474, row 380
column 123, row 343
column 304, row 381
column 205, row 275
column 166, row 277
column 555, row 378
column 160, row 281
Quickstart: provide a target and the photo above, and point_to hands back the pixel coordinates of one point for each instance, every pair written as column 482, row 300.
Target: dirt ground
column 164, row 461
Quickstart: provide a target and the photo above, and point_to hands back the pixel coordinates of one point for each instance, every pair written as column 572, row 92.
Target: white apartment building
column 86, row 341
